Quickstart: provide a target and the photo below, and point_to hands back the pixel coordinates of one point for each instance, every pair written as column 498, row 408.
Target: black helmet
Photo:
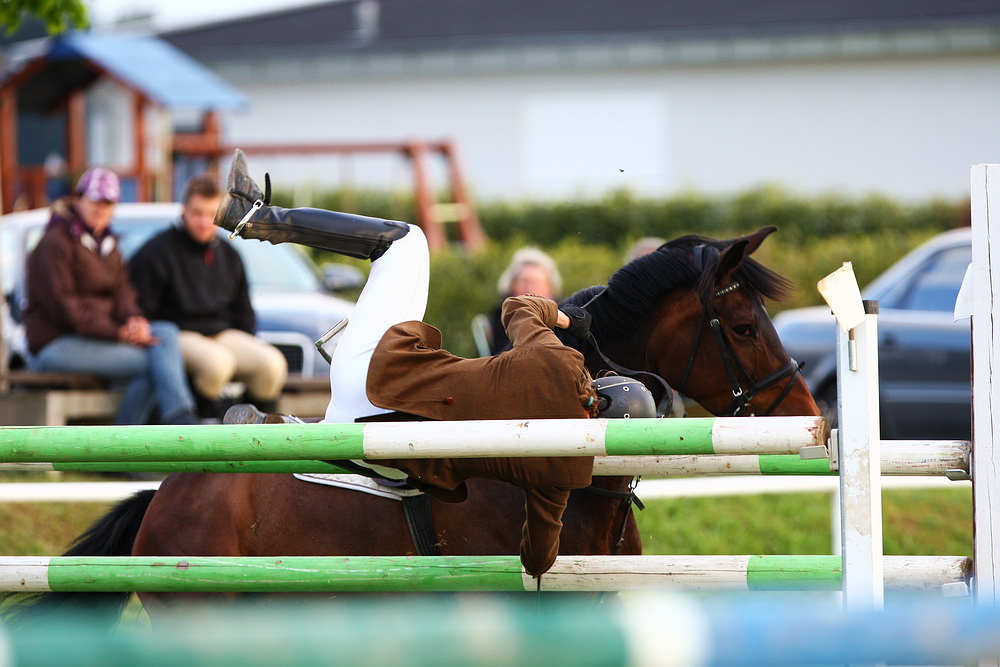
column 622, row 397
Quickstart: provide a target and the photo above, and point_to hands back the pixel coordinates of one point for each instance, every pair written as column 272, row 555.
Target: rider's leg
column 396, row 292
column 348, row 234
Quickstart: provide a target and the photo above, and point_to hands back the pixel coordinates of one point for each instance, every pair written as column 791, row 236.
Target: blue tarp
column 167, row 75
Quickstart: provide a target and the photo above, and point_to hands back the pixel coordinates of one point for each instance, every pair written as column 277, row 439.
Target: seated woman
column 389, row 360
column 82, row 315
column 530, row 271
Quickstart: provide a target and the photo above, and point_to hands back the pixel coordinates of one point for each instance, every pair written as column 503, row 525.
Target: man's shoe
column 245, row 413
column 240, row 196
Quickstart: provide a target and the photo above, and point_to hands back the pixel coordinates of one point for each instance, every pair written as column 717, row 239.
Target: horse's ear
column 731, row 258
column 758, row 237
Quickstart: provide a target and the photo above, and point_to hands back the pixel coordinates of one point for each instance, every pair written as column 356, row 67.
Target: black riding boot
column 245, row 212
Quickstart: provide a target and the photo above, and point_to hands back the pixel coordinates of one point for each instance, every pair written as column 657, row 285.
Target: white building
column 565, row 99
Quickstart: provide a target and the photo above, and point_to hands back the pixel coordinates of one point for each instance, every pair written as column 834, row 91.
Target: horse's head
column 693, row 312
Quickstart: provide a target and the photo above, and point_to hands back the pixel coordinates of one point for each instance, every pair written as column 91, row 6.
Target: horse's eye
column 745, row 330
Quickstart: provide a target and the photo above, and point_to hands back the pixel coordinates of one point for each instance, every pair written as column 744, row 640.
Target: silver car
column 293, row 302
column 924, row 354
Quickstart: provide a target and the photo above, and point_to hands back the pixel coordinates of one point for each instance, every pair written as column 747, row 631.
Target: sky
column 176, row 13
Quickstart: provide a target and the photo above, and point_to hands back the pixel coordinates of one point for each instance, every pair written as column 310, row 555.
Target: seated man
column 188, row 275
column 389, row 360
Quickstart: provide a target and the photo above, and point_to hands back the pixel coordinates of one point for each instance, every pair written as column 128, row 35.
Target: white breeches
column 396, row 292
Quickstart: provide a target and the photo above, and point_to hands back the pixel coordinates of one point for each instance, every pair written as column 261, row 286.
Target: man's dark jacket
column 201, row 287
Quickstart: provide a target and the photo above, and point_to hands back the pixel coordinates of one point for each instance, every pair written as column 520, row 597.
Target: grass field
column 925, row 522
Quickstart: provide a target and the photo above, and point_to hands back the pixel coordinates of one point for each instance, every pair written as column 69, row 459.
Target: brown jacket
column 540, row 378
column 72, row 286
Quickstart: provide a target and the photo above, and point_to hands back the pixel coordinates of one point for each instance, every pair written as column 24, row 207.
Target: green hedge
column 622, row 215
column 588, row 240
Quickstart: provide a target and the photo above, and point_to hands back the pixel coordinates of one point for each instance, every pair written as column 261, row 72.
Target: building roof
column 421, row 24
column 166, row 75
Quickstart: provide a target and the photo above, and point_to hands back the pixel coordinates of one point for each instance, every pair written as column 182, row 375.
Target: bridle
column 740, row 405
column 626, row 500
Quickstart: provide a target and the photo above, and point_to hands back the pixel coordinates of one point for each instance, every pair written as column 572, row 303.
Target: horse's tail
column 111, row 535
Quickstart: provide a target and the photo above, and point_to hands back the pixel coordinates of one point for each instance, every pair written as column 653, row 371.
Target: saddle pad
column 358, row 483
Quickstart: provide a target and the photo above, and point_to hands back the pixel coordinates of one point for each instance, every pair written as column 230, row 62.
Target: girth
column 417, row 508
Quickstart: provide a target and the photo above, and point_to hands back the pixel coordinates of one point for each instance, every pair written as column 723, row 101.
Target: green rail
column 263, row 442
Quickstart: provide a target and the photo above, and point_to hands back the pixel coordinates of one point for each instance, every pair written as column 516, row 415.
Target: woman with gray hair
column 530, row 271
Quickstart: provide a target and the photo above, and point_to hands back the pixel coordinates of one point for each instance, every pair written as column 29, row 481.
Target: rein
column 666, row 403
column 627, row 498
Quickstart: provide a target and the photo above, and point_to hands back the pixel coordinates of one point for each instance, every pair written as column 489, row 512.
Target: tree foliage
column 58, row 15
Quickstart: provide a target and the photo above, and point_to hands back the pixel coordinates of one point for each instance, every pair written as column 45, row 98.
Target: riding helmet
column 621, row 397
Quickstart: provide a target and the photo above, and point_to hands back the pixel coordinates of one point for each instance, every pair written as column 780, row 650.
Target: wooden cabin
column 135, row 104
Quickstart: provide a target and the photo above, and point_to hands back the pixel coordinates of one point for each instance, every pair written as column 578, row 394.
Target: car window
column 276, row 268
column 935, row 285
column 135, row 235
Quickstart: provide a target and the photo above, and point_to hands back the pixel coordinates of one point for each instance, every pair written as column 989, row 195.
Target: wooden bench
column 58, row 399
column 305, row 397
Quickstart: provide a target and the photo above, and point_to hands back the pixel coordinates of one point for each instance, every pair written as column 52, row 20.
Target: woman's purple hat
column 99, row 184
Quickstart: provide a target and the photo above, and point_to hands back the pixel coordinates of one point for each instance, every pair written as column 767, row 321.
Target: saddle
column 413, row 493
column 444, row 495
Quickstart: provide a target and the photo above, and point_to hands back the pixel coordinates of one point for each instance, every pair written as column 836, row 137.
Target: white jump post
column 860, row 470
column 985, row 192
column 858, row 450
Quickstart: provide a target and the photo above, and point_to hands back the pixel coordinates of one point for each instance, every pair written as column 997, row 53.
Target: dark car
column 293, row 301
column 924, row 354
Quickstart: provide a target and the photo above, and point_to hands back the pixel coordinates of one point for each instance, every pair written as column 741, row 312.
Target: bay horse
column 654, row 315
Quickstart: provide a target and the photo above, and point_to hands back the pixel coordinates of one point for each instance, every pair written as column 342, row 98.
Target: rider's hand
column 577, row 320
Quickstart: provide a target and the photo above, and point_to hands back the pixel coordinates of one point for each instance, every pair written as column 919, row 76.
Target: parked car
column 294, row 302
column 924, row 354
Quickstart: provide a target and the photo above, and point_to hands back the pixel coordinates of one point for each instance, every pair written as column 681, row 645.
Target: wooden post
column 212, row 133
column 436, row 239
column 985, row 193
column 8, row 148
column 76, row 132
column 470, row 230
column 859, row 457
column 142, row 180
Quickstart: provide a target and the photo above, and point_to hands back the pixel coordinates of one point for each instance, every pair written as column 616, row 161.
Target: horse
column 652, row 316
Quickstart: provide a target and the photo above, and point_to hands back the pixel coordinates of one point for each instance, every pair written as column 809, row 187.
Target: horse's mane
column 634, row 290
